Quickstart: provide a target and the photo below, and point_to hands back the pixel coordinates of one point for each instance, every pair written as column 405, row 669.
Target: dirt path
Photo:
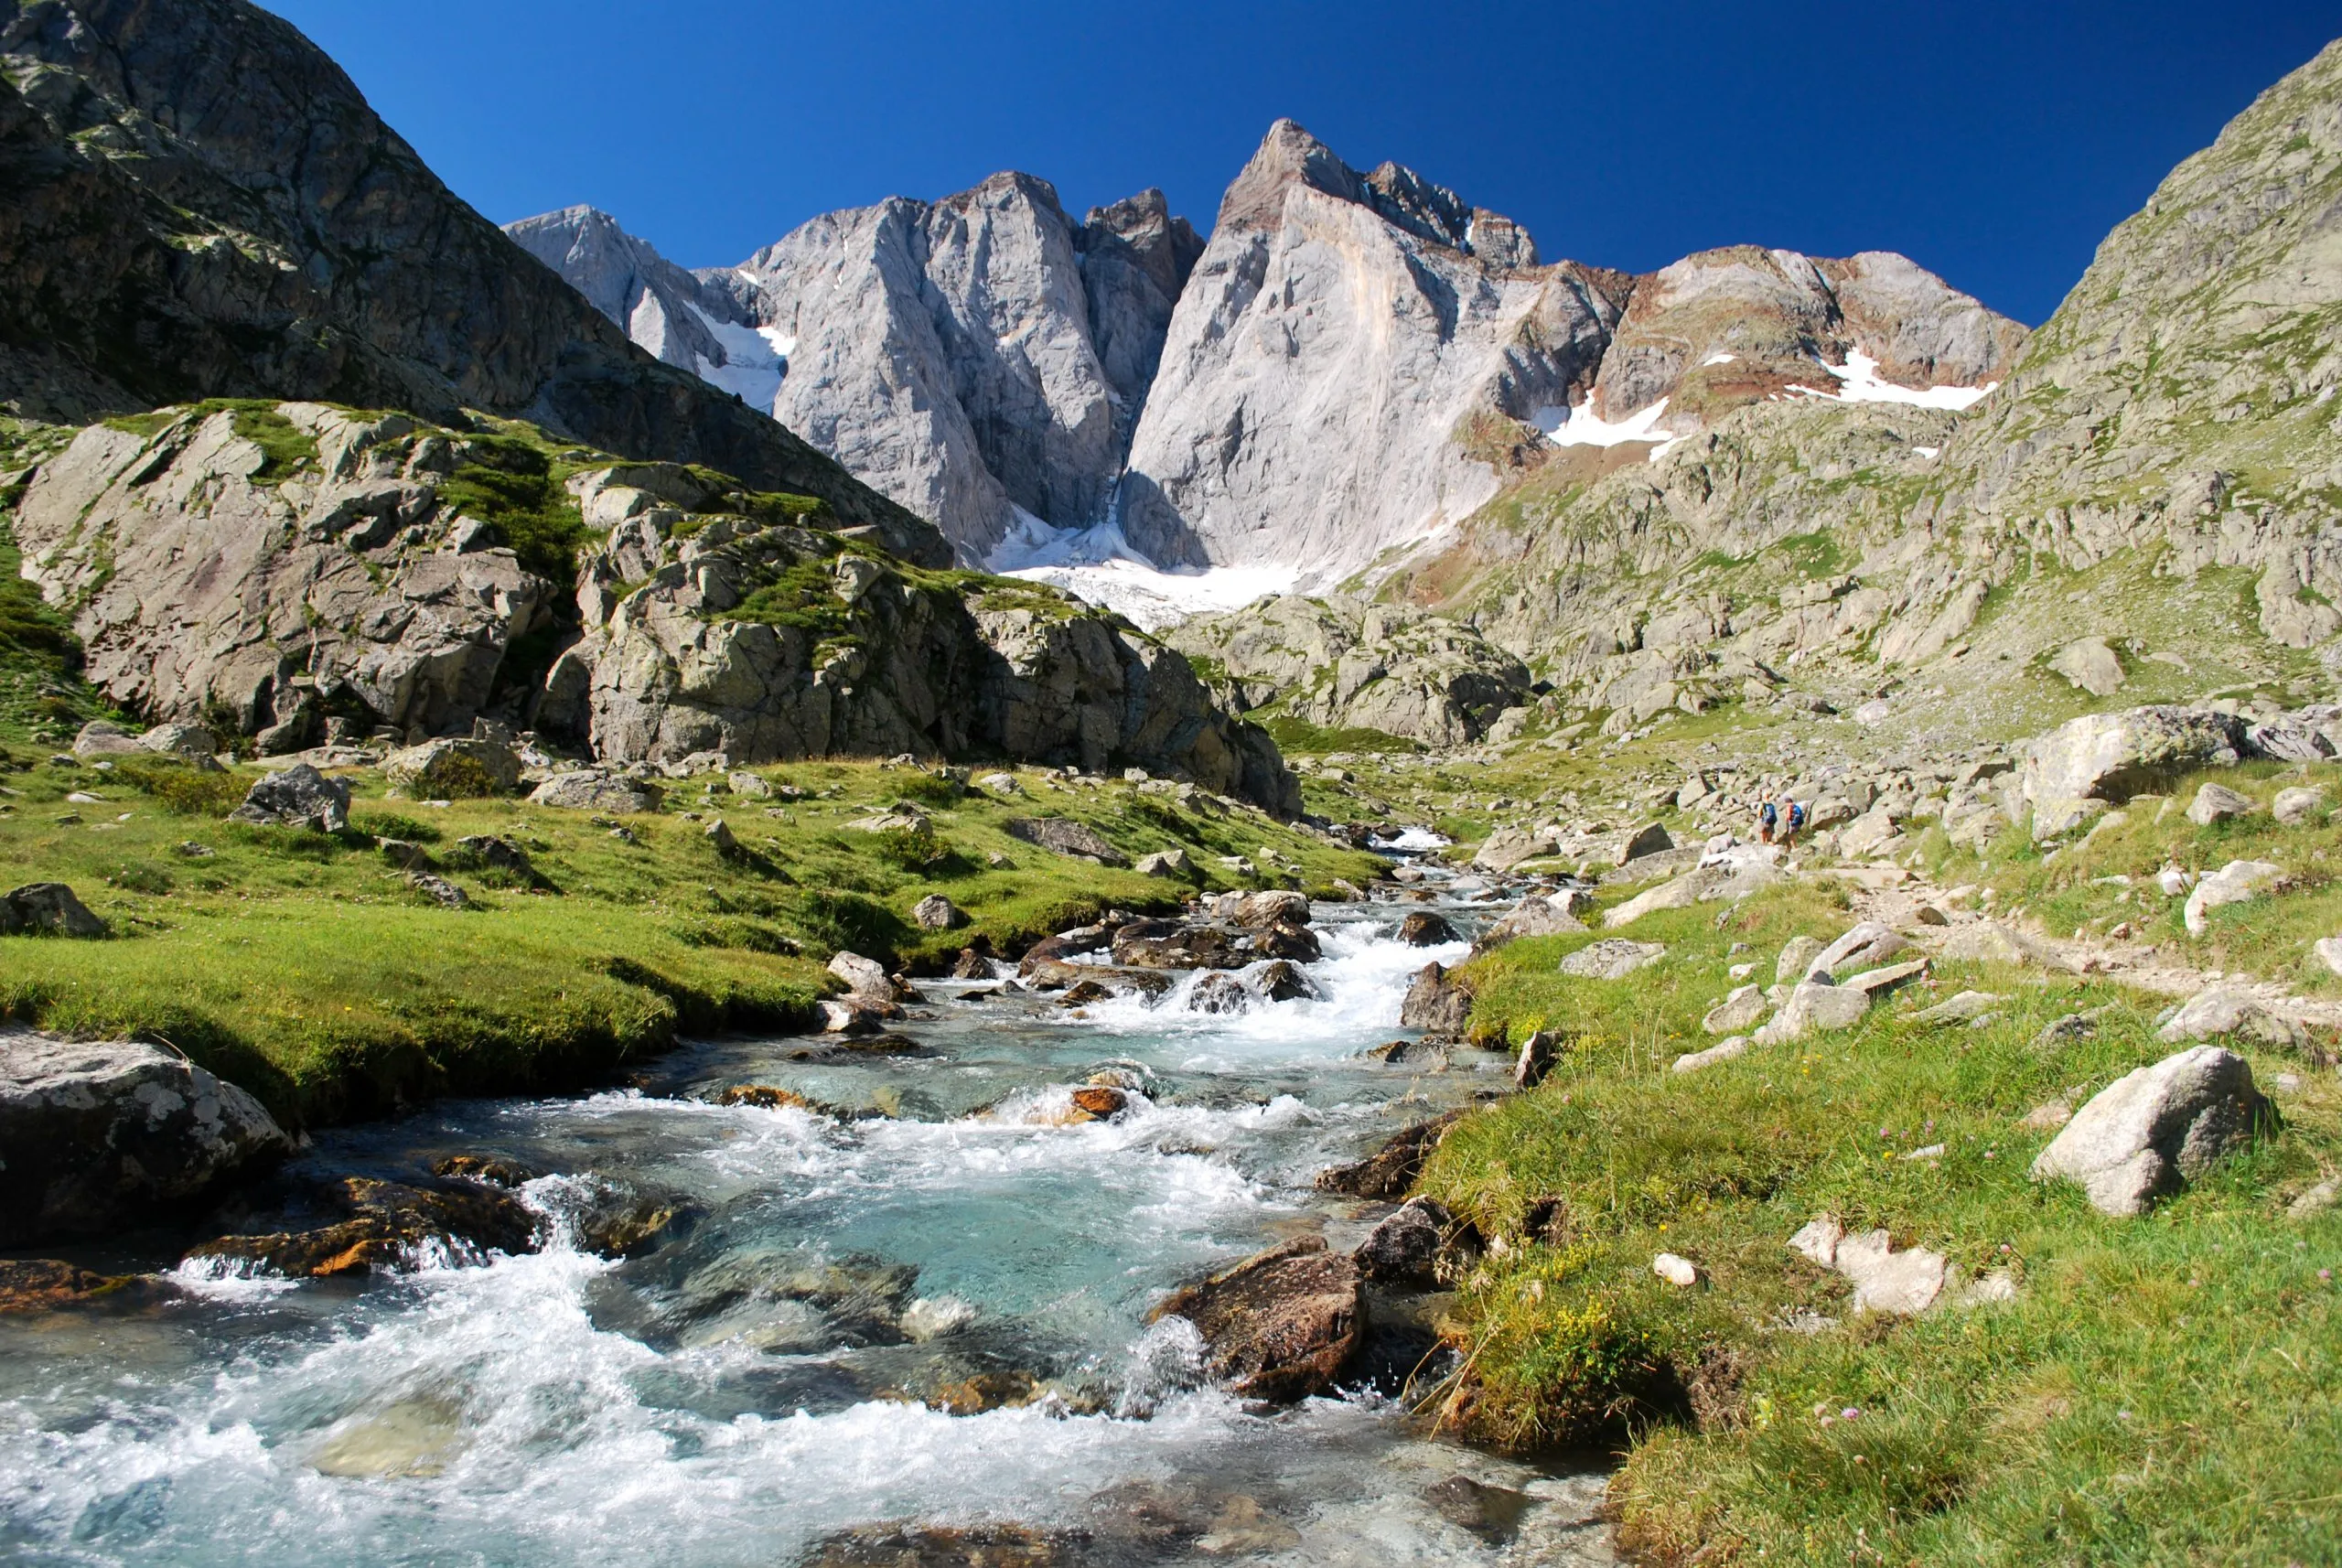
column 1894, row 897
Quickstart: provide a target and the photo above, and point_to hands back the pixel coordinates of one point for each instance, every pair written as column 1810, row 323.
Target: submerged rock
column 46, row 1284
column 1278, row 1325
column 102, row 1134
column 387, row 1226
column 1389, row 1171
column 939, row 1546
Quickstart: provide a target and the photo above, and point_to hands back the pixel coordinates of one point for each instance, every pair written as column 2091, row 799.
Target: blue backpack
column 1797, row 816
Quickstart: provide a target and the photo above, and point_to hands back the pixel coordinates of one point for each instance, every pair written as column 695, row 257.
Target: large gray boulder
column 298, row 797
column 2111, row 757
column 1063, row 835
column 2238, row 882
column 1812, row 1005
column 591, row 789
column 108, row 1135
column 1612, row 958
column 455, row 766
column 101, row 737
column 2152, row 1131
column 2221, row 1013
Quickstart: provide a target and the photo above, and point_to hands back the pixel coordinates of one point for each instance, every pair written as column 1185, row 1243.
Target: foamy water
column 561, row 1408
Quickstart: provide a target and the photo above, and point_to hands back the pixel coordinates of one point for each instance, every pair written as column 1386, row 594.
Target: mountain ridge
column 1332, row 437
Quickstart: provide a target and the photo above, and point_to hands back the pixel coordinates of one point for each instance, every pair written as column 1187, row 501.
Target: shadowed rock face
column 201, row 204
column 107, row 1134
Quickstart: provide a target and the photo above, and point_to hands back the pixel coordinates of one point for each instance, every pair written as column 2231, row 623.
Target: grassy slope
column 2162, row 1390
column 304, row 966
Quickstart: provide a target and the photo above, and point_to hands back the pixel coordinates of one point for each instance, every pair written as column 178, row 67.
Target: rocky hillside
column 1341, row 663
column 981, row 359
column 306, row 575
column 201, row 204
column 2142, row 511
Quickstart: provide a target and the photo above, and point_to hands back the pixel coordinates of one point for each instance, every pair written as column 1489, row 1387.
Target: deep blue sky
column 1994, row 142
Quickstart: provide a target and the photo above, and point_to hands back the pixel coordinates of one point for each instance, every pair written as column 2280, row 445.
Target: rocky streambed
column 903, row 1296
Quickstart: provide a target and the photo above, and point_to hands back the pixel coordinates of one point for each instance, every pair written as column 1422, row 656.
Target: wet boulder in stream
column 100, row 1134
column 1282, row 1324
column 1295, row 944
column 1418, row 1246
column 1436, row 1002
column 1169, row 944
column 1389, row 1171
column 1425, row 928
column 374, row 1225
column 1218, row 992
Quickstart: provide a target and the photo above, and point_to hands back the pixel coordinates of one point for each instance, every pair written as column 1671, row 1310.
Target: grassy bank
column 2160, row 1389
column 306, row 967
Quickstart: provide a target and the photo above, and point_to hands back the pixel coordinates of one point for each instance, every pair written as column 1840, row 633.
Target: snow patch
column 1858, row 381
column 1099, row 566
column 755, row 360
column 1579, row 426
column 1927, row 452
column 1719, row 358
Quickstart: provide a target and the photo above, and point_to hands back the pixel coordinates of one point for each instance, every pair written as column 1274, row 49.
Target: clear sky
column 1994, row 141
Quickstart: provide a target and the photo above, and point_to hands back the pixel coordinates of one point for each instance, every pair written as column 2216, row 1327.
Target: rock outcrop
column 305, row 574
column 1342, row 663
column 764, row 641
column 106, row 1135
column 202, row 205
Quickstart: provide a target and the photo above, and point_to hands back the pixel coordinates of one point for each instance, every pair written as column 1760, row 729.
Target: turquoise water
column 701, row 1405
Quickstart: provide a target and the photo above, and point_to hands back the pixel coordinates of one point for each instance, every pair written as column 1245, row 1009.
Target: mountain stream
column 704, row 1404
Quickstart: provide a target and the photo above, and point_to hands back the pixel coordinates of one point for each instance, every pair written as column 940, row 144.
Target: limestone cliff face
column 200, row 203
column 1362, row 361
column 971, row 357
column 1337, row 338
column 665, row 310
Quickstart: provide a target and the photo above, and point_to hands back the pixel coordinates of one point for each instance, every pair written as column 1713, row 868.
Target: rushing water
column 685, row 1408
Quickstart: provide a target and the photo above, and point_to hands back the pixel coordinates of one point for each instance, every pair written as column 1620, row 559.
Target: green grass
column 510, row 484
column 303, row 966
column 2162, row 1390
column 1298, row 736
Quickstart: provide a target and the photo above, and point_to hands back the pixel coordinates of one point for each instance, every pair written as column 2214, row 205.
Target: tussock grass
column 2161, row 1389
column 306, row 967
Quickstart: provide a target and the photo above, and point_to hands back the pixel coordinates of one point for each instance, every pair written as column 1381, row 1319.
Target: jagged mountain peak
column 1290, row 156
